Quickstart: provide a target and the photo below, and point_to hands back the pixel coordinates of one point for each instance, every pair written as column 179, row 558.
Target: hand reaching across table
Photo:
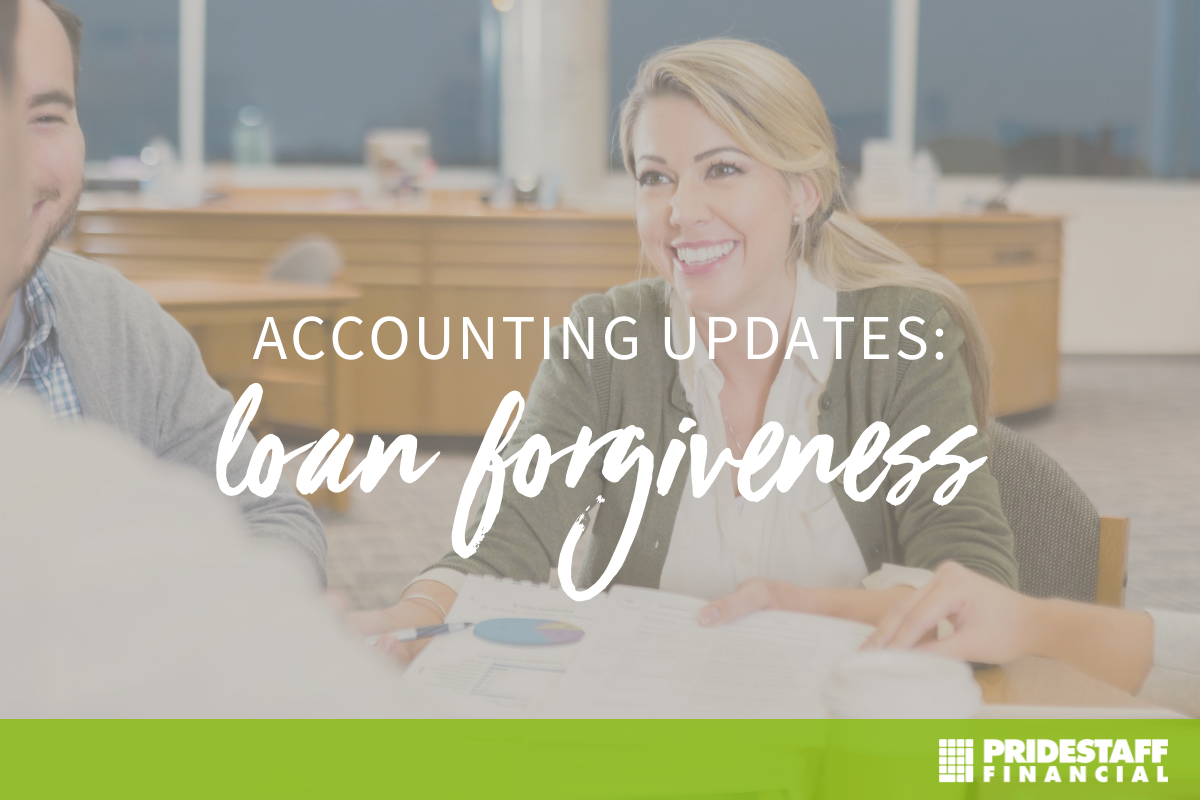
column 995, row 625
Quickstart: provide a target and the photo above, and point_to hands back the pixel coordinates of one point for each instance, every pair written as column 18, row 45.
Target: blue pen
column 412, row 634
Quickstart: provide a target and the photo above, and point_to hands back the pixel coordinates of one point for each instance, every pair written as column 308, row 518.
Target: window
column 322, row 74
column 1070, row 87
column 129, row 86
column 841, row 46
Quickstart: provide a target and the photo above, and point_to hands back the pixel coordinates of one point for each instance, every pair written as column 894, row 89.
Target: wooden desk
column 1010, row 265
column 204, row 298
column 453, row 257
column 226, row 317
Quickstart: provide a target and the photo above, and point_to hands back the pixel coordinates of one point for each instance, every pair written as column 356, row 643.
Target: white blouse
column 801, row 536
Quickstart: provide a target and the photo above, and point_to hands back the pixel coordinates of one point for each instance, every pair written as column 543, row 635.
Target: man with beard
column 136, row 564
column 84, row 340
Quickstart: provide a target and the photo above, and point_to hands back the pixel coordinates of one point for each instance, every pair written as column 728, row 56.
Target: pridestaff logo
column 1054, row 760
column 956, row 760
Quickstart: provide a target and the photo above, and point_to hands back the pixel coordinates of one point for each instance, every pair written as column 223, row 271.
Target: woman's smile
column 700, row 258
column 716, row 223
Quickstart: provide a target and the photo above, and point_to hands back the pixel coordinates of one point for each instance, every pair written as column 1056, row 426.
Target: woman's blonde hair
column 773, row 112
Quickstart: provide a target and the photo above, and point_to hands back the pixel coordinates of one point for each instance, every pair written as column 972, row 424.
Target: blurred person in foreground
column 126, row 589
column 1154, row 653
column 86, row 341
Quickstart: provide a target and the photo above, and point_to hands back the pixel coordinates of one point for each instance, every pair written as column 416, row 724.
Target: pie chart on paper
column 528, row 632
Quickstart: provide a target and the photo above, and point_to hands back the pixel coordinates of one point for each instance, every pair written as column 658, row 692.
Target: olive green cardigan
column 605, row 394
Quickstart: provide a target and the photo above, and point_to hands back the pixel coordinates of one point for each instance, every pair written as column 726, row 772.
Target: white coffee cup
column 901, row 684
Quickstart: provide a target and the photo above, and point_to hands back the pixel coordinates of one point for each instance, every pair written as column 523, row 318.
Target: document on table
column 462, row 675
column 643, row 654
column 652, row 658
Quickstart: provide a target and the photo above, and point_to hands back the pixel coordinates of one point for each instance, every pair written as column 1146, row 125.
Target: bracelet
column 427, row 598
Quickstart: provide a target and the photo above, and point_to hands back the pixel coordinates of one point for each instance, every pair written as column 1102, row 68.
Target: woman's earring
column 796, row 220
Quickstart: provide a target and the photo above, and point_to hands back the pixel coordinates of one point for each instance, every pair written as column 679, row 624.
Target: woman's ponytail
column 847, row 255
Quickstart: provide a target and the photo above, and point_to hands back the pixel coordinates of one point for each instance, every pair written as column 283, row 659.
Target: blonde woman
column 739, row 212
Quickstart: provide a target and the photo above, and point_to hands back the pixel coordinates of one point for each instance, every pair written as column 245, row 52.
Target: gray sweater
column 135, row 368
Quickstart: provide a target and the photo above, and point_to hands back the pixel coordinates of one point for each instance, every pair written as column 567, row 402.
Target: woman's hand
column 759, row 594
column 410, row 612
column 995, row 625
column 992, row 623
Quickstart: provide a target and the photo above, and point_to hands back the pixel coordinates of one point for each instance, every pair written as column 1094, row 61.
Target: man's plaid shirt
column 38, row 365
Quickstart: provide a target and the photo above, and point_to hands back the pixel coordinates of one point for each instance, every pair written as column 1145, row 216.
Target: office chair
column 311, row 259
column 1064, row 548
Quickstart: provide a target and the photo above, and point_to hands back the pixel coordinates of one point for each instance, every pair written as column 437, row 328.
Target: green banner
column 603, row 759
